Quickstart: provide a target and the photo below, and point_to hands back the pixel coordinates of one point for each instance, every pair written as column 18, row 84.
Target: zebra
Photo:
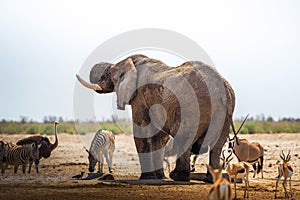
column 3, row 154
column 103, row 143
column 21, row 155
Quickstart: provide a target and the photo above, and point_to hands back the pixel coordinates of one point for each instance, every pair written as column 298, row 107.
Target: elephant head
column 106, row 78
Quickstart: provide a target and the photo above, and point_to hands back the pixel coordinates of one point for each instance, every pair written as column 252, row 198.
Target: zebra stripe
column 21, row 155
column 3, row 154
column 102, row 143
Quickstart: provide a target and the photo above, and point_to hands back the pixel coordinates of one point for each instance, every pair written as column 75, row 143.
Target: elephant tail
column 232, row 126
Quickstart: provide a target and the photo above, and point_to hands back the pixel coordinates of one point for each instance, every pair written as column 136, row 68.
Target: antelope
column 221, row 187
column 286, row 171
column 250, row 152
column 236, row 170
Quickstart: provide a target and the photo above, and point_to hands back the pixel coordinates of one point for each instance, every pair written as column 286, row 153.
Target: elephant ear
column 124, row 77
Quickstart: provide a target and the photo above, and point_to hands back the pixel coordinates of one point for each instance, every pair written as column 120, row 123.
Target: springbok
column 250, row 152
column 285, row 169
column 236, row 170
column 221, row 187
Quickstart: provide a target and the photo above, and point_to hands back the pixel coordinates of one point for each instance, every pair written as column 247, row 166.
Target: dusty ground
column 54, row 180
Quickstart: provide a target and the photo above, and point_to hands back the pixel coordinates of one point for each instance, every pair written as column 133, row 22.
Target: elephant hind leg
column 215, row 151
column 160, row 174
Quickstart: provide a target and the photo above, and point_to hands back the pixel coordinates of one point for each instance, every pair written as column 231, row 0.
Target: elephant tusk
column 88, row 85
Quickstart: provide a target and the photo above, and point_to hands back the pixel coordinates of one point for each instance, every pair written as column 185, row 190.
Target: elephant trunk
column 95, row 87
column 53, row 146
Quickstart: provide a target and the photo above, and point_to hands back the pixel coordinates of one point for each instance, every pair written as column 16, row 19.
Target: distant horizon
column 260, row 117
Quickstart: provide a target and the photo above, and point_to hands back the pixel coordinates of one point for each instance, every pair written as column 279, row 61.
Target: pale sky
column 254, row 44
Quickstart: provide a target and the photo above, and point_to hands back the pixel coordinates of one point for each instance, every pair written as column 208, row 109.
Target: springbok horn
column 229, row 156
column 223, row 156
column 288, row 157
column 88, row 85
column 283, row 155
column 288, row 153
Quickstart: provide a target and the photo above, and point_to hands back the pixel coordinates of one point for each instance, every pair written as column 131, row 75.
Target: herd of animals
column 247, row 153
column 184, row 90
column 27, row 150
column 31, row 149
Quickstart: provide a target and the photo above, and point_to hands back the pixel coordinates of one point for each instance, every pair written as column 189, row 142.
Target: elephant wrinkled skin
column 191, row 102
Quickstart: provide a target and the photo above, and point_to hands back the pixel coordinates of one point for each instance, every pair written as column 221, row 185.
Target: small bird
column 78, row 176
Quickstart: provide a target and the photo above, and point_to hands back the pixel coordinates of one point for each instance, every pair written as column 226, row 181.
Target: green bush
column 296, row 127
column 250, row 127
column 32, row 129
column 86, row 127
column 244, row 130
column 48, row 129
column 266, row 127
column 111, row 127
column 66, row 128
column 11, row 128
column 118, row 128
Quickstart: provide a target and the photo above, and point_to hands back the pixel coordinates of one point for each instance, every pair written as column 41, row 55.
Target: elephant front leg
column 158, row 157
column 158, row 170
column 158, row 148
column 151, row 154
column 150, row 141
column 145, row 158
column 182, row 169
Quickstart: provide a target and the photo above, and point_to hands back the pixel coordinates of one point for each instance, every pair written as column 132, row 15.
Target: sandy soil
column 54, row 180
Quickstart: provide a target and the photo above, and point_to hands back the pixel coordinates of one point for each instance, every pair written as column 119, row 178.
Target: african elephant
column 192, row 102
